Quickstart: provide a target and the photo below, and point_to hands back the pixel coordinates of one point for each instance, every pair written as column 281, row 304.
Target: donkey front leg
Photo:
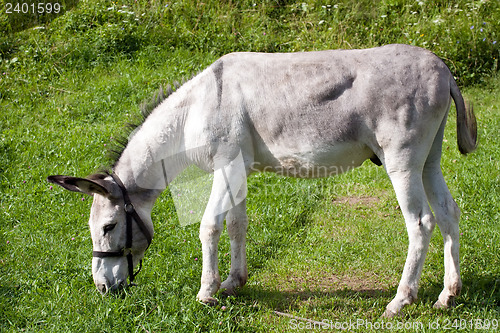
column 419, row 223
column 211, row 227
column 210, row 230
column 237, row 223
column 228, row 189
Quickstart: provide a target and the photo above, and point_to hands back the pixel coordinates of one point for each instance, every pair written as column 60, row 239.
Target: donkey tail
column 466, row 122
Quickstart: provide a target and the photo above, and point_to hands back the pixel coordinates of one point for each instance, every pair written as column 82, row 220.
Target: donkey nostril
column 121, row 284
column 117, row 286
column 102, row 288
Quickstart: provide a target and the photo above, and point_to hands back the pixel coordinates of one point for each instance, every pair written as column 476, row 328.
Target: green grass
column 319, row 249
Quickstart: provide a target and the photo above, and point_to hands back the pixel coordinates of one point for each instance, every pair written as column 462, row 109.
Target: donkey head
column 118, row 243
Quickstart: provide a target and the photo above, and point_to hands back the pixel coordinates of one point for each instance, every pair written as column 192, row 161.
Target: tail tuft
column 467, row 131
column 466, row 121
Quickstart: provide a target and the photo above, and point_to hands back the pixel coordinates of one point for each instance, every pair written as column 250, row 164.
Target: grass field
column 329, row 249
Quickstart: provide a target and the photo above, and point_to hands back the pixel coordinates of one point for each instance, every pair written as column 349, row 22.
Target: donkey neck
column 152, row 158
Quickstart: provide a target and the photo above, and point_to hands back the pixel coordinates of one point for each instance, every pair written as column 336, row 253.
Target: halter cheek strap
column 130, row 213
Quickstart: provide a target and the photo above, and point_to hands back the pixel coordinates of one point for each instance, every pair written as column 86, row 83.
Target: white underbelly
column 324, row 161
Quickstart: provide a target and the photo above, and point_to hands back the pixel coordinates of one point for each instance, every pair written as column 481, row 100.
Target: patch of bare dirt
column 355, row 201
column 368, row 283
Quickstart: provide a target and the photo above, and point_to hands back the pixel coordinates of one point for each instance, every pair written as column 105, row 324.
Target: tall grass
column 463, row 33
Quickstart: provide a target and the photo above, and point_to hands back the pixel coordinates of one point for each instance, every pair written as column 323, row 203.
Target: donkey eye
column 108, row 227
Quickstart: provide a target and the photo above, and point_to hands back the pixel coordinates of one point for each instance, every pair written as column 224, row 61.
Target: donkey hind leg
column 408, row 185
column 447, row 216
column 237, row 223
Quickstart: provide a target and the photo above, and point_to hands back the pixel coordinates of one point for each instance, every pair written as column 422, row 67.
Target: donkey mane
column 147, row 107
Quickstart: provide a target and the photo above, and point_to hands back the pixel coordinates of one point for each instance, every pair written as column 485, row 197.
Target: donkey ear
column 95, row 184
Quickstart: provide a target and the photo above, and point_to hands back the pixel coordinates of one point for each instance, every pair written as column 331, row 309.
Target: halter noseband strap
column 131, row 213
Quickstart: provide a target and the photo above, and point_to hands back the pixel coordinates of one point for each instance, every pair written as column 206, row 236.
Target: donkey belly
column 323, row 161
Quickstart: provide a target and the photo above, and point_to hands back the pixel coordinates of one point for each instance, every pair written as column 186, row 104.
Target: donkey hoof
column 228, row 292
column 227, row 289
column 445, row 305
column 388, row 314
column 439, row 305
column 210, row 301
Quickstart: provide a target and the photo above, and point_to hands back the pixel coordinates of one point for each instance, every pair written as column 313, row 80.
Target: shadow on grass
column 479, row 290
column 340, row 300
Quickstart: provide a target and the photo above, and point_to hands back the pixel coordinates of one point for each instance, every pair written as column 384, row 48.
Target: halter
column 131, row 213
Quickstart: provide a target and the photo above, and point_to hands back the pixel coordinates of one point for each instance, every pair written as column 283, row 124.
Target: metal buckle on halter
column 129, row 208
